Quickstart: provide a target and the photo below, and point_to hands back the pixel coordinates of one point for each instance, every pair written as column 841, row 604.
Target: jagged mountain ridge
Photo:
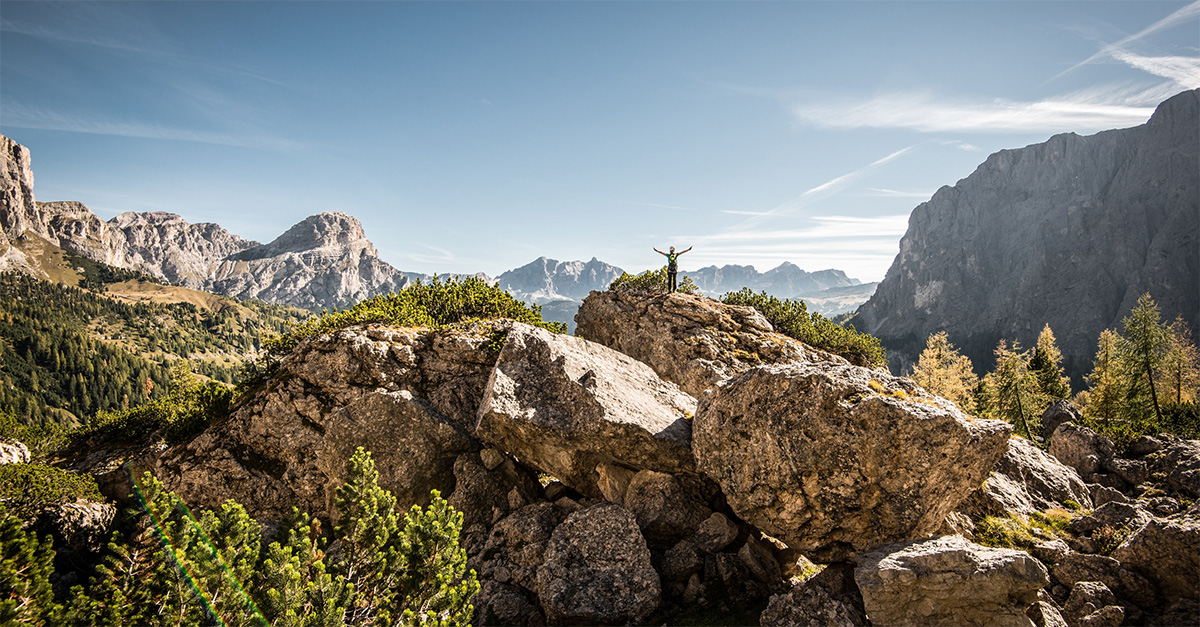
column 324, row 261
column 1069, row 232
column 786, row 280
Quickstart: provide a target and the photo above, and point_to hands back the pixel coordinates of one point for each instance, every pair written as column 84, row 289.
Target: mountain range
column 1069, row 232
column 323, row 262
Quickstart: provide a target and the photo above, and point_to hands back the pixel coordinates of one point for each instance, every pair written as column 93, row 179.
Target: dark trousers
column 670, row 281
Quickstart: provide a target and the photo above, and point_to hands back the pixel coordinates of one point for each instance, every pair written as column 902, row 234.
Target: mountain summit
column 1069, row 233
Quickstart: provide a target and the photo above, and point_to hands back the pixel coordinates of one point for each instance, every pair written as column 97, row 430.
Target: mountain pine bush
column 791, row 318
column 437, row 304
column 175, row 568
column 652, row 281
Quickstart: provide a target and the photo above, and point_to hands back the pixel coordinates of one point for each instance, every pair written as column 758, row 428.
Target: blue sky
column 477, row 136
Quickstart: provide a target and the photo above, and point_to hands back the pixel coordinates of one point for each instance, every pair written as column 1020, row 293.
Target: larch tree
column 1143, row 350
column 1046, row 365
column 1016, row 388
column 1181, row 365
column 946, row 373
column 1106, row 389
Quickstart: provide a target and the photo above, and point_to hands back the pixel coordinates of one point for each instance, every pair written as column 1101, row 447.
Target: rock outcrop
column 588, row 415
column 1070, row 233
column 1027, row 480
column 288, row 443
column 835, row 459
column 948, row 581
column 830, row 597
column 692, row 341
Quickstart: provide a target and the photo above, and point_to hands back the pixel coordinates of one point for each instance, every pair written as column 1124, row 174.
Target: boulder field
column 679, row 457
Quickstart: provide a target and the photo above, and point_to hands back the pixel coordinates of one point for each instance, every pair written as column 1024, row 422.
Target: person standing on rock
column 672, row 265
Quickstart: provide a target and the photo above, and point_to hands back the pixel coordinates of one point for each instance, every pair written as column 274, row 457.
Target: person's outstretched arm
column 683, row 251
column 660, row 252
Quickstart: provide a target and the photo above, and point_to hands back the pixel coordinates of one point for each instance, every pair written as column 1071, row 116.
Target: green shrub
column 435, row 305
column 188, row 407
column 792, row 319
column 39, row 439
column 26, row 597
column 181, row 569
column 28, row 488
column 653, row 281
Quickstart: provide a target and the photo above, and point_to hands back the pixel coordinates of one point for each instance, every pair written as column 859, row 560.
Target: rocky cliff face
column 1069, row 232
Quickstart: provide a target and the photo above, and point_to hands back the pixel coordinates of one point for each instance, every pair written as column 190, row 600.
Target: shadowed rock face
column 835, row 459
column 1068, row 232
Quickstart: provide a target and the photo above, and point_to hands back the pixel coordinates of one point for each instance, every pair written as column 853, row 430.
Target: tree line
column 1145, row 379
column 69, row 352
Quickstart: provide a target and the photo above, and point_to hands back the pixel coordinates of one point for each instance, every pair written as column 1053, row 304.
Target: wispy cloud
column 19, row 116
column 1187, row 13
column 822, row 191
column 922, row 111
column 823, row 228
column 1184, row 71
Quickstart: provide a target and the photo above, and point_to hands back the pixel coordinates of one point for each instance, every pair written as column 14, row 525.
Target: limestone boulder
column 667, row 508
column 835, row 459
column 1129, row 586
column 1080, row 448
column 484, row 496
column 584, row 413
column 1057, row 413
column 1092, row 603
column 1181, row 460
column 1027, row 480
column 1167, row 552
column 829, row 598
column 13, row 452
column 287, row 445
column 948, row 581
column 693, row 341
column 597, row 570
column 82, row 526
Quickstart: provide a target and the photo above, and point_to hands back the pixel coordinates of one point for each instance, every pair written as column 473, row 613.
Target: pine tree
column 946, row 373
column 26, row 597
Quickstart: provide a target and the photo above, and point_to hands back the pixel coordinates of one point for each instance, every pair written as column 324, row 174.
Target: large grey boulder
column 667, row 508
column 288, row 443
column 948, row 581
column 1092, row 603
column 1027, row 480
column 1057, row 413
column 597, row 570
column 835, row 459
column 1080, row 448
column 1167, row 552
column 693, row 341
column 584, row 413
